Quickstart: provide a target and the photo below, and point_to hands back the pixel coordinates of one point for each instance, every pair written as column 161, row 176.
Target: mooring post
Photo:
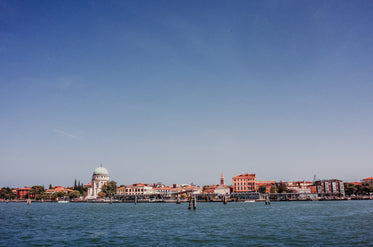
column 194, row 203
column 225, row 200
column 267, row 201
column 190, row 203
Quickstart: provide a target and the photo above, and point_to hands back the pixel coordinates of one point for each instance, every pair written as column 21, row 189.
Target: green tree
column 282, row 188
column 80, row 187
column 101, row 194
column 370, row 187
column 350, row 189
column 38, row 191
column 359, row 189
column 204, row 187
column 6, row 193
column 45, row 195
column 74, row 193
column 273, row 189
column 262, row 189
column 110, row 188
column 59, row 194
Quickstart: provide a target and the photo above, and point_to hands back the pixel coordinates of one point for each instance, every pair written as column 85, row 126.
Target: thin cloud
column 64, row 133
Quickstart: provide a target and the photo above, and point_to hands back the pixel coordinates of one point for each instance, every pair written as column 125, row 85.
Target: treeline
column 39, row 192
column 276, row 188
column 7, row 194
column 80, row 187
column 357, row 189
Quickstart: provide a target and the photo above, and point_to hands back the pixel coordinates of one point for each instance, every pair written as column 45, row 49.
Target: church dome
column 101, row 171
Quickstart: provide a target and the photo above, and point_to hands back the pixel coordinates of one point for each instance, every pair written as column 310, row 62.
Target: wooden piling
column 194, row 203
column 267, row 201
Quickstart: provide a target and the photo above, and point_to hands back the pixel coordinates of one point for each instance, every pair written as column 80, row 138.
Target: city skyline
column 183, row 91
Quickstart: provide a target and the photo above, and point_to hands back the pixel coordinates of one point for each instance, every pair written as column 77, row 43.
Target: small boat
column 63, row 201
column 249, row 201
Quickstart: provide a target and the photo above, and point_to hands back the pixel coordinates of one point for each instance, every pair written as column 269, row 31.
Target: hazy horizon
column 181, row 91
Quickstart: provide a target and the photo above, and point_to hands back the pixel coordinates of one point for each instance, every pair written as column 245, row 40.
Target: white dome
column 101, row 171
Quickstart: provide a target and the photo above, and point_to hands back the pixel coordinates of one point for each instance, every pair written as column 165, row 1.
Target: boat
column 63, row 201
column 249, row 201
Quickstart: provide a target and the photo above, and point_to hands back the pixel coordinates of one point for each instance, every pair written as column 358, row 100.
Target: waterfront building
column 302, row 187
column 244, row 183
column 121, row 190
column 139, row 189
column 167, row 190
column 58, row 189
column 267, row 184
column 100, row 177
column 192, row 189
column 210, row 189
column 331, row 187
column 367, row 181
column 23, row 193
column 220, row 189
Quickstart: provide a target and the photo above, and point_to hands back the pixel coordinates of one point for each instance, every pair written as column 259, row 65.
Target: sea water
column 321, row 223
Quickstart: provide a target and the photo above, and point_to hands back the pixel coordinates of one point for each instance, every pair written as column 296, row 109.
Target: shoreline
column 184, row 201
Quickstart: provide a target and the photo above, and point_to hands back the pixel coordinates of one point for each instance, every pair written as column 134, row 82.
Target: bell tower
column 222, row 179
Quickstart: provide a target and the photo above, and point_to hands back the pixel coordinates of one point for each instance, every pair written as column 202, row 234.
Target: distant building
column 121, row 190
column 267, row 184
column 167, row 190
column 331, row 187
column 220, row 189
column 99, row 178
column 244, row 183
column 223, row 190
column 192, row 189
column 139, row 189
column 354, row 183
column 367, row 181
column 58, row 189
column 301, row 187
column 23, row 193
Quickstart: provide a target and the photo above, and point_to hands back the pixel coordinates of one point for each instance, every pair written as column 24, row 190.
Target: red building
column 267, row 184
column 367, row 181
column 244, row 183
column 24, row 193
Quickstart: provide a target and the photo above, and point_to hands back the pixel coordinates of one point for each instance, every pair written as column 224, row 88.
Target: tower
column 222, row 179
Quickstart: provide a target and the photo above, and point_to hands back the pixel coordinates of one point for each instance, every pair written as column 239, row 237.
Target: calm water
column 347, row 223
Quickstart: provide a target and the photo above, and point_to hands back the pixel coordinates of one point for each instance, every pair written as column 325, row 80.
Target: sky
column 182, row 91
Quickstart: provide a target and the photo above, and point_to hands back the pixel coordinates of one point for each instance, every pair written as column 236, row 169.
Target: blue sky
column 180, row 91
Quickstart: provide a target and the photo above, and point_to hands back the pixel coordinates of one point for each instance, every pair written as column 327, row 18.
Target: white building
column 99, row 178
column 139, row 189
